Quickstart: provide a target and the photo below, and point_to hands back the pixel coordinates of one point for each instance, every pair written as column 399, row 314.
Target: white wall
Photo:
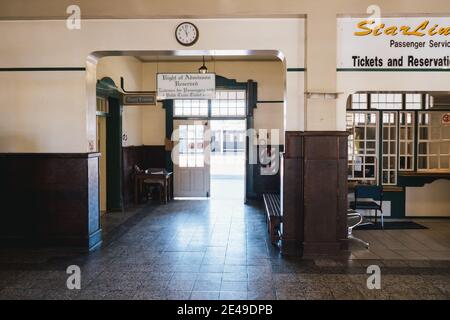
column 430, row 200
column 42, row 112
column 74, row 96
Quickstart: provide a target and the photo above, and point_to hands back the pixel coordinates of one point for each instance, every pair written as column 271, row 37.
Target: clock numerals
column 186, row 33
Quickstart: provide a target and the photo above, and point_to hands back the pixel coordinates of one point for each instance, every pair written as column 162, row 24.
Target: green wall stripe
column 270, row 101
column 389, row 70
column 43, row 69
column 296, row 69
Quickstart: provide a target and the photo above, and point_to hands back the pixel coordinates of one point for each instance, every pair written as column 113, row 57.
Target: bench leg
column 273, row 236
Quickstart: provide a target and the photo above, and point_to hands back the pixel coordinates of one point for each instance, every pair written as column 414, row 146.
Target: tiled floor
column 219, row 249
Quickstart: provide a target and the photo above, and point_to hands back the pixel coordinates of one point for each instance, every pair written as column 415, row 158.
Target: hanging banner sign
column 186, row 86
column 394, row 43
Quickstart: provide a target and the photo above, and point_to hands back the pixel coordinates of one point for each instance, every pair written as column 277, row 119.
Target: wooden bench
column 273, row 211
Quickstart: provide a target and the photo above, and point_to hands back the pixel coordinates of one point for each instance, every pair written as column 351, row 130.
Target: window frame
column 365, row 141
column 428, row 142
column 209, row 114
column 413, row 127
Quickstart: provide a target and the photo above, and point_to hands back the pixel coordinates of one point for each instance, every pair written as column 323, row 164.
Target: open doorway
column 227, row 164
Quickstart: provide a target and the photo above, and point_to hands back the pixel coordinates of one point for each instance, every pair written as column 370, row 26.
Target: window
column 359, row 101
column 191, row 145
column 433, row 148
column 406, row 141
column 413, row 101
column 228, row 103
column 191, row 108
column 362, row 145
column 386, row 101
column 389, row 156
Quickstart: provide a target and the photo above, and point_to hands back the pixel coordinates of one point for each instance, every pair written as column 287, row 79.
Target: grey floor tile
column 220, row 250
column 205, row 295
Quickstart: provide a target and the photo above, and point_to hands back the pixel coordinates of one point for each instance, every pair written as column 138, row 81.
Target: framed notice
column 186, row 86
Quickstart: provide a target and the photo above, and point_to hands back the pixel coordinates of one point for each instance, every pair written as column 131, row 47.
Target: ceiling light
column 203, row 68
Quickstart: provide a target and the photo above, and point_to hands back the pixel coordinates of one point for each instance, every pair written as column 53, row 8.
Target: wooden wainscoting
column 49, row 199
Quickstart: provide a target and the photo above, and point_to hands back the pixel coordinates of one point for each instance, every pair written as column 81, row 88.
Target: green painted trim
column 389, row 70
column 168, row 107
column 397, row 199
column 229, row 84
column 419, row 180
column 43, row 69
column 107, row 89
column 114, row 198
column 296, row 69
column 270, row 101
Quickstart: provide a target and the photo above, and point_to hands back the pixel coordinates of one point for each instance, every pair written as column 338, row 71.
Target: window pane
column 362, row 145
column 434, row 142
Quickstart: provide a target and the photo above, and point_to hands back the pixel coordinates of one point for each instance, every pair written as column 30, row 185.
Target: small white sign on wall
column 186, row 86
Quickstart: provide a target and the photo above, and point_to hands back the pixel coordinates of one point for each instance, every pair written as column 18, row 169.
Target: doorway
column 109, row 144
column 191, row 159
column 227, row 164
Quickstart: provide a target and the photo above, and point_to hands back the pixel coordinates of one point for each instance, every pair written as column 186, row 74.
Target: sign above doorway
column 400, row 43
column 186, row 86
column 137, row 99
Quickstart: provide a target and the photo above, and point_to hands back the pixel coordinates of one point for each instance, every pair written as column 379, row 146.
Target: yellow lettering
column 367, row 27
column 415, row 32
column 376, row 31
column 362, row 25
column 421, row 26
column 431, row 32
column 444, row 31
column 405, row 30
column 391, row 31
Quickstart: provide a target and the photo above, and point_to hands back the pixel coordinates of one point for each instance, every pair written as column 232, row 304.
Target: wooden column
column 314, row 195
column 325, row 193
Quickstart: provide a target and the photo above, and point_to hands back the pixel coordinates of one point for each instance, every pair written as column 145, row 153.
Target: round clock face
column 186, row 33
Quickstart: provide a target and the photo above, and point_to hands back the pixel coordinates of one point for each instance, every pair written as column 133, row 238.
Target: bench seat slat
column 273, row 210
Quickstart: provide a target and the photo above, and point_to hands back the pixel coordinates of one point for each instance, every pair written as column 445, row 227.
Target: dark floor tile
column 181, row 285
column 262, row 295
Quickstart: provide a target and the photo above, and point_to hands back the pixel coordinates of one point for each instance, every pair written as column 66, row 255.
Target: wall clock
column 186, row 34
